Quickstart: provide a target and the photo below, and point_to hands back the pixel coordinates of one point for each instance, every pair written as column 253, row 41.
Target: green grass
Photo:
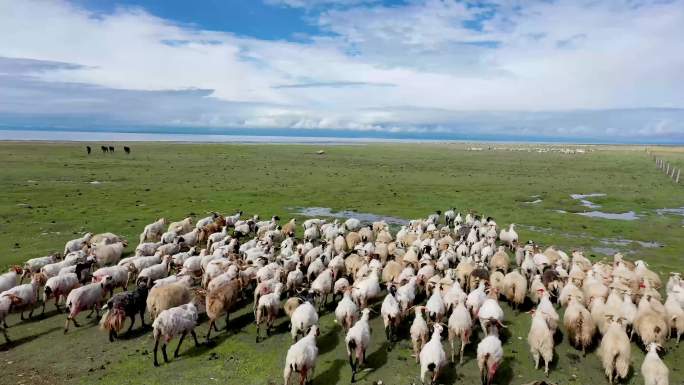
column 47, row 199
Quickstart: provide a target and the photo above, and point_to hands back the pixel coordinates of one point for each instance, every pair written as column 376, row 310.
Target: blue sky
column 609, row 70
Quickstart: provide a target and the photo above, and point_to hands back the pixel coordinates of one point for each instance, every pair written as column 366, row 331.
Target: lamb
column 85, row 297
column 653, row 369
column 489, row 354
column 579, row 324
column 303, row 317
column 540, row 340
column 220, row 301
column 432, row 356
column 301, row 357
column 78, row 243
column 108, row 254
column 419, row 332
column 391, row 315
column 615, row 351
column 171, row 322
column 153, row 231
column 346, row 312
column 59, row 286
column 460, row 325
column 123, row 305
column 357, row 341
column 9, row 280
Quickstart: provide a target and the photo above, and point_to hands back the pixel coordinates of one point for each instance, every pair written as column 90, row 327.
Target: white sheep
column 34, row 265
column 25, row 296
column 268, row 308
column 653, row 369
column 118, row 277
column 59, row 286
column 367, row 289
column 322, row 286
column 153, row 231
column 147, row 249
column 615, row 351
column 77, row 244
column 391, row 314
column 10, row 279
column 540, row 340
column 460, row 326
column 155, row 272
column 302, row 319
column 357, row 341
column 419, row 332
column 432, row 356
column 489, row 354
column 172, row 322
column 108, row 254
column 509, row 237
column 346, row 312
column 90, row 296
column 301, row 357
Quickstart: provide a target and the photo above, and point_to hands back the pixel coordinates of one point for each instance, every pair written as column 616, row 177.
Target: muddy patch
column 345, row 214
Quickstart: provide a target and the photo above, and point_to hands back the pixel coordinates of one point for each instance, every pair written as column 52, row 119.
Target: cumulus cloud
column 551, row 69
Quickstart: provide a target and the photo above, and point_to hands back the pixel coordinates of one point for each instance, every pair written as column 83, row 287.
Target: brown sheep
column 166, row 297
column 352, row 239
column 220, row 301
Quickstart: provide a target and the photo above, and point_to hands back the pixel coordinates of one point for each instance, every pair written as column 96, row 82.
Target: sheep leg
column 353, row 368
column 227, row 320
column 175, row 354
column 22, row 316
column 43, row 311
column 166, row 358
column 211, row 323
column 546, row 368
column 112, row 335
column 194, row 337
column 463, row 344
column 257, row 333
column 416, row 349
column 156, row 346
column 132, row 323
column 142, row 318
column 4, row 333
column 4, row 324
column 91, row 312
column 536, row 360
column 451, row 343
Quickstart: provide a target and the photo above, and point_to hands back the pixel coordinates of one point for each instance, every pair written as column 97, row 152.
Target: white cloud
column 424, row 65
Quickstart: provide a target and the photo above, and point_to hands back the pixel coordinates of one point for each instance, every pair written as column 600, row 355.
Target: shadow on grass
column 332, row 374
column 18, row 342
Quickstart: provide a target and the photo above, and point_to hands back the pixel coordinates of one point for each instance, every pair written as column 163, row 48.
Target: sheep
column 5, row 305
column 155, row 272
column 170, row 248
column 357, row 341
column 499, row 261
column 222, row 300
column 289, row 228
column 118, row 277
column 515, row 288
column 9, row 280
column 176, row 278
column 295, row 279
column 675, row 316
column 165, row 297
column 77, row 244
column 548, row 311
column 153, row 231
column 108, row 254
column 346, row 312
column 490, row 310
column 291, row 304
column 85, row 297
column 509, row 237
column 391, row 315
column 303, row 317
column 653, row 368
column 34, row 265
column 59, row 286
column 615, row 351
column 579, row 324
column 644, row 274
column 122, row 305
column 460, row 325
column 419, row 332
column 181, row 227
column 352, row 224
column 301, row 357
column 432, row 356
column 476, row 298
column 268, row 307
column 489, row 354
column 322, row 286
column 540, row 340
column 435, row 306
column 25, row 296
column 650, row 326
column 171, row 322
column 367, row 289
column 147, row 249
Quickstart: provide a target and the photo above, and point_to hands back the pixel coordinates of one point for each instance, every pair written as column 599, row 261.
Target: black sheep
column 124, row 305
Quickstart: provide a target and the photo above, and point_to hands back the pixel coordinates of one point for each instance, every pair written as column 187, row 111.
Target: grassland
column 50, row 194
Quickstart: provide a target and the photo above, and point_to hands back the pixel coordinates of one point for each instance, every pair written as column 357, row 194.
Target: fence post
column 677, row 180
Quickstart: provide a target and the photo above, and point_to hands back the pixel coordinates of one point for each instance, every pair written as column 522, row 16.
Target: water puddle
column 345, row 214
column 609, row 251
column 585, row 202
column 626, row 242
column 672, row 211
column 628, row 216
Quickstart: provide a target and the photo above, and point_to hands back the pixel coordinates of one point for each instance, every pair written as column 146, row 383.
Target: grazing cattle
column 88, row 149
column 104, row 148
column 111, row 148
column 127, row 149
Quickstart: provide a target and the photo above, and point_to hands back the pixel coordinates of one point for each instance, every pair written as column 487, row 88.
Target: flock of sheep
column 444, row 275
